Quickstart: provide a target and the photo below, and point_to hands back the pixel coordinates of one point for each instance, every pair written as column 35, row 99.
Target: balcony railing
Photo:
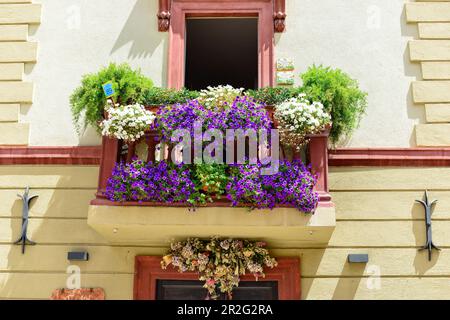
column 114, row 151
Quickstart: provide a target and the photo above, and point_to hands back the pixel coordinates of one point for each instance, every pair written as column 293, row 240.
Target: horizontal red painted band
column 407, row 157
column 398, row 157
column 50, row 155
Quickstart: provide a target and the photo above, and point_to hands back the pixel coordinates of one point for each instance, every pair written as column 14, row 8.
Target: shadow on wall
column 346, row 287
column 347, row 282
column 58, row 225
column 411, row 69
column 141, row 31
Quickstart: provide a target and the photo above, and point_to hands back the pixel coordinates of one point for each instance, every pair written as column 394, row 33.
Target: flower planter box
column 158, row 225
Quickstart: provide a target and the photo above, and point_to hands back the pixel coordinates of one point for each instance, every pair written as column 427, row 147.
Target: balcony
column 152, row 223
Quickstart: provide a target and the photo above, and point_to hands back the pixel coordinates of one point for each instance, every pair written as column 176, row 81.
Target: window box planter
column 158, row 223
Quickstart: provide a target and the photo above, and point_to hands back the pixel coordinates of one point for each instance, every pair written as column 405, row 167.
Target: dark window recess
column 193, row 290
column 221, row 52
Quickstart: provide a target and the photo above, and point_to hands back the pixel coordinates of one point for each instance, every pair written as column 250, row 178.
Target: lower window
column 153, row 283
column 193, row 290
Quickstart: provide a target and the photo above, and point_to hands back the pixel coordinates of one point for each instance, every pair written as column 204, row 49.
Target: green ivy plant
column 161, row 96
column 88, row 100
column 340, row 95
column 272, row 96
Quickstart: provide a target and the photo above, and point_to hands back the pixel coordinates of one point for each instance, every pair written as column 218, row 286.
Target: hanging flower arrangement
column 128, row 123
column 297, row 118
column 219, row 262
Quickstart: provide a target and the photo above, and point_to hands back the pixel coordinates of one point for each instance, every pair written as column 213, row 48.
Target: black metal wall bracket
column 428, row 208
column 26, row 199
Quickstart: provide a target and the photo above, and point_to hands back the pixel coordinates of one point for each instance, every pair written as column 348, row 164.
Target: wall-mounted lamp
column 358, row 258
column 78, row 256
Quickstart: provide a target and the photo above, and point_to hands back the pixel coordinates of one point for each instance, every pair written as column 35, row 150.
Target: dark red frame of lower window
column 148, row 271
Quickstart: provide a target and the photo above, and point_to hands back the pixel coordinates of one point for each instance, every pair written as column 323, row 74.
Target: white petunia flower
column 127, row 122
column 297, row 118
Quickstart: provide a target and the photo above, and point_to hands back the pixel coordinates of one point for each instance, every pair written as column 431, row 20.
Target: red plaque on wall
column 79, row 294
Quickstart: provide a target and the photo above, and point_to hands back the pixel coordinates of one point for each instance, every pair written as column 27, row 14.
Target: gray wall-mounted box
column 358, row 258
column 78, row 256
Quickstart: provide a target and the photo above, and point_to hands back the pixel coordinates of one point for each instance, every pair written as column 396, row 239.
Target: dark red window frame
column 180, row 10
column 148, row 271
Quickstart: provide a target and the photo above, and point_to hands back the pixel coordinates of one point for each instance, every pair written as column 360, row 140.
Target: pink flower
column 210, row 282
column 261, row 244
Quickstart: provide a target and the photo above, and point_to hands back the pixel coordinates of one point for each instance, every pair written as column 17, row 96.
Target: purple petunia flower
column 159, row 182
column 293, row 185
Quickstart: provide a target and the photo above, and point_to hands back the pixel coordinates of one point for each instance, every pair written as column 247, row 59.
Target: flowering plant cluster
column 244, row 185
column 242, row 113
column 219, row 262
column 196, row 184
column 128, row 123
column 158, row 182
column 219, row 97
column 293, row 185
column 210, row 179
column 297, row 118
column 185, row 116
column 245, row 113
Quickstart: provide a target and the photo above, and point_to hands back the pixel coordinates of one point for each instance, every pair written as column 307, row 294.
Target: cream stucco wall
column 78, row 37
column 367, row 39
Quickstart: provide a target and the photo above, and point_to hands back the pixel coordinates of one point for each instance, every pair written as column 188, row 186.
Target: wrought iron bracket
column 26, row 199
column 428, row 208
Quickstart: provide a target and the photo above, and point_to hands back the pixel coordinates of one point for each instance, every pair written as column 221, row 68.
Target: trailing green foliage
column 273, row 96
column 88, row 101
column 161, row 96
column 340, row 95
column 209, row 180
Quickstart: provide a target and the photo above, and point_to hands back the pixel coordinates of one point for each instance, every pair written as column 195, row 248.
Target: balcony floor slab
column 158, row 226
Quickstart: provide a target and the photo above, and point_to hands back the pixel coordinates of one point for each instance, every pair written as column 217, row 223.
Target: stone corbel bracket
column 164, row 15
column 279, row 15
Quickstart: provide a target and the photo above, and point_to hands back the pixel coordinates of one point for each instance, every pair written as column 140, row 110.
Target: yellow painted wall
column 382, row 220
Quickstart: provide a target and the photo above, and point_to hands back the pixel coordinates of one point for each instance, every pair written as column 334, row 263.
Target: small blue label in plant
column 108, row 89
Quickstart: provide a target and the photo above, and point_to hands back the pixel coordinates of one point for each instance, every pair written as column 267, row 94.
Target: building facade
column 398, row 50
